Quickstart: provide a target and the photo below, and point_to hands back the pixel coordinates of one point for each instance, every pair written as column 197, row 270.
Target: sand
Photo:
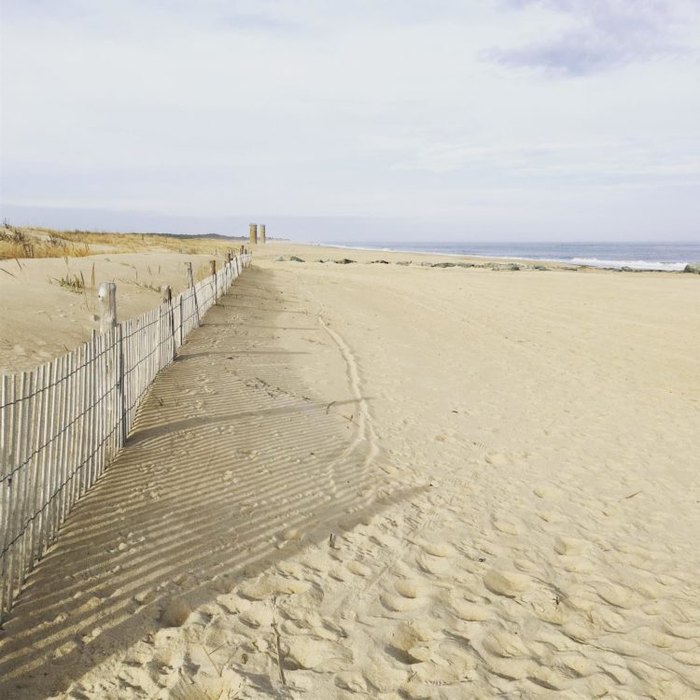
column 41, row 318
column 397, row 482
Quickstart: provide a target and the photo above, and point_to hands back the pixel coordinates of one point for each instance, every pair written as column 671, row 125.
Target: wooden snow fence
column 63, row 422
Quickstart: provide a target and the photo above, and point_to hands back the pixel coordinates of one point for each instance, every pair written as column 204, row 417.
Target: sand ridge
column 382, row 481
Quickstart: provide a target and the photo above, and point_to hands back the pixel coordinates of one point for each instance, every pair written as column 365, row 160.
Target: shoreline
column 600, row 264
column 36, row 294
column 478, row 261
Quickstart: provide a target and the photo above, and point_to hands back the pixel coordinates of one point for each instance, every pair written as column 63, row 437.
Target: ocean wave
column 636, row 256
column 632, row 264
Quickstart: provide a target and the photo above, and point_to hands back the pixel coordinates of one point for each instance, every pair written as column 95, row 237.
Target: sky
column 482, row 120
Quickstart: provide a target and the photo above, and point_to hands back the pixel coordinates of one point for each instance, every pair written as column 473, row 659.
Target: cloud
column 601, row 35
column 375, row 108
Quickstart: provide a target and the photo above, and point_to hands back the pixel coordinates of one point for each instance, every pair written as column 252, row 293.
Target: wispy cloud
column 601, row 35
column 375, row 108
column 583, row 163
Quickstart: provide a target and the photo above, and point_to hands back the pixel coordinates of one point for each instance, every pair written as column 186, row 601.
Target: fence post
column 253, row 233
column 121, row 385
column 167, row 295
column 182, row 317
column 212, row 272
column 190, row 285
column 261, row 230
column 107, row 294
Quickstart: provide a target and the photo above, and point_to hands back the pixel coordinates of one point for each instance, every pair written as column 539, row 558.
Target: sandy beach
column 36, row 295
column 380, row 480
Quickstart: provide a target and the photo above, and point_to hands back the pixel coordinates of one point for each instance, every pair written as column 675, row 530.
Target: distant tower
column 253, row 234
column 261, row 231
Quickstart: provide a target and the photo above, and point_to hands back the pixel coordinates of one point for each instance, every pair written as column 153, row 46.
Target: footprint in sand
column 438, row 549
column 606, row 618
column 412, row 642
column 550, row 678
column 257, row 615
column 511, row 668
column 570, row 546
column 619, row 596
column 507, row 527
column 351, row 681
column 578, row 631
column 409, row 589
column 220, row 634
column 359, row 569
column 505, row 645
column 139, row 654
column 506, row 583
column 411, row 595
column 448, row 664
column 576, row 664
column 468, row 611
column 690, row 658
column 315, row 559
column 339, row 573
column 683, row 630
column 304, row 652
column 383, row 677
column 546, row 492
column 395, row 603
column 577, row 565
column 437, row 566
column 270, row 586
column 209, row 683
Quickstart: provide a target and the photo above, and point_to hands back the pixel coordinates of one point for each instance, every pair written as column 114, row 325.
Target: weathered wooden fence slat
column 62, row 423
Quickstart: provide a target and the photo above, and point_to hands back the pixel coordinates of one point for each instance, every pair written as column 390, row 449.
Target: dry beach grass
column 392, row 481
column 33, row 242
column 54, row 291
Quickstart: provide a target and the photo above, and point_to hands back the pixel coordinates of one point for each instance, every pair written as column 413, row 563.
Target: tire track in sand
column 364, row 433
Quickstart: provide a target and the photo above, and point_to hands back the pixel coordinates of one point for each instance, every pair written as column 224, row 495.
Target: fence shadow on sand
column 220, row 464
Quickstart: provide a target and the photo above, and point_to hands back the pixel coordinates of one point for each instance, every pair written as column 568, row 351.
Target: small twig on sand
column 328, row 407
column 632, row 495
column 211, row 660
column 277, row 641
column 350, row 419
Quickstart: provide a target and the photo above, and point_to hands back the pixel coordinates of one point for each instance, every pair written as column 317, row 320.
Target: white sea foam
column 633, row 264
column 566, row 254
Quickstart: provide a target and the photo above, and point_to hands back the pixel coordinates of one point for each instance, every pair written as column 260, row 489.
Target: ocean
column 638, row 256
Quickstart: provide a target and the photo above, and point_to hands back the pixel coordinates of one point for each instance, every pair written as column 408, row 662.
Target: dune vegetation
column 32, row 242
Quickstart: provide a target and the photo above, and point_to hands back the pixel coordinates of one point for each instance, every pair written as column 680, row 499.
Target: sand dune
column 388, row 481
column 41, row 318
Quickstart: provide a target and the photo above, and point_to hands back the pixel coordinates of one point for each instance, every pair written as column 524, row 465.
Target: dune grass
column 24, row 242
column 21, row 243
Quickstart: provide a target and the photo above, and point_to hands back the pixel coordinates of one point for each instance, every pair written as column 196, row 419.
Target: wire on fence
column 63, row 422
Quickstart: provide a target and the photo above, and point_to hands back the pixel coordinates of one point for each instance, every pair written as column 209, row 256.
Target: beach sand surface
column 44, row 314
column 393, row 481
